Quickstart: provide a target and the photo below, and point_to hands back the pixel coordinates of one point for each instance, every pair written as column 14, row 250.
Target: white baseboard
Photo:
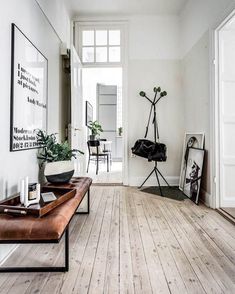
column 205, row 198
column 5, row 251
column 152, row 181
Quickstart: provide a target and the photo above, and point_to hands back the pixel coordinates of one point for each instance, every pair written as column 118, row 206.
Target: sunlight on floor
column 114, row 176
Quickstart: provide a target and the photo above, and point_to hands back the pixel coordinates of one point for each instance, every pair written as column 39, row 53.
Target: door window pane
column 114, row 37
column 101, row 54
column 101, row 37
column 88, row 38
column 88, row 54
column 114, row 54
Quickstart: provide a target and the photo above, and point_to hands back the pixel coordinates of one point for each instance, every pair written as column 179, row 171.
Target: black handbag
column 150, row 150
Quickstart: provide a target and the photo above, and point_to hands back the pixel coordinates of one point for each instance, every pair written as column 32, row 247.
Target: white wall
column 196, row 21
column 29, row 18
column 27, row 15
column 58, row 17
column 154, row 60
column 196, row 89
column 197, row 17
column 172, row 52
column 154, row 37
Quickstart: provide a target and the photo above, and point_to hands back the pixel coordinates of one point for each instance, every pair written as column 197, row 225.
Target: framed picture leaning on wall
column 29, row 78
column 192, row 181
column 195, row 140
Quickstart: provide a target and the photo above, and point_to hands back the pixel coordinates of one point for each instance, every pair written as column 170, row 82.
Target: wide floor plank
column 134, row 242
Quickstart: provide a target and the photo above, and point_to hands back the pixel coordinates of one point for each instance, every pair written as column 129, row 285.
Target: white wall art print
column 29, row 75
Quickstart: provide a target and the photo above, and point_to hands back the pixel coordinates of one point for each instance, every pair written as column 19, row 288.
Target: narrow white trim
column 125, row 111
column 214, row 102
column 213, row 117
column 152, row 181
column 114, row 19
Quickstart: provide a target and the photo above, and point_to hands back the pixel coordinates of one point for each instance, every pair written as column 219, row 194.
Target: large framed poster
column 29, row 76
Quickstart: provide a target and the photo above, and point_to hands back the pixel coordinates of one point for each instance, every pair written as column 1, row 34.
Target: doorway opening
column 102, row 89
column 224, row 112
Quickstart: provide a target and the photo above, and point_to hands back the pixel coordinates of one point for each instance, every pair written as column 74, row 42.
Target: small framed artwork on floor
column 193, row 174
column 195, row 140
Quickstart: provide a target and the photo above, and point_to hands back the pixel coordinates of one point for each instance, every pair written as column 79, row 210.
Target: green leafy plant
column 52, row 151
column 95, row 128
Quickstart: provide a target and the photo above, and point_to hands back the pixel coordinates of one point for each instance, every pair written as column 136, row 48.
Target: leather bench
column 47, row 229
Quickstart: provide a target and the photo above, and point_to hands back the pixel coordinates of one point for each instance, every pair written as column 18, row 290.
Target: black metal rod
column 148, row 99
column 88, row 205
column 157, row 171
column 158, row 181
column 88, row 201
column 156, row 135
column 163, row 178
column 150, row 114
column 158, row 100
column 66, row 244
column 31, row 269
column 64, row 268
column 147, row 178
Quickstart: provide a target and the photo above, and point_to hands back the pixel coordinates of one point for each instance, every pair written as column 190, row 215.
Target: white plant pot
column 59, row 171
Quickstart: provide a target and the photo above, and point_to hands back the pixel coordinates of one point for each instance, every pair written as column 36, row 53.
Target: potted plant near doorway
column 56, row 158
column 95, row 128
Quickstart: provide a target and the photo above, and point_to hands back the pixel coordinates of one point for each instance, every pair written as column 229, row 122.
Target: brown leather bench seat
column 49, row 227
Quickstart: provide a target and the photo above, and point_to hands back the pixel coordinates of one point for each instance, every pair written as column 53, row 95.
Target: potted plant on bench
column 57, row 158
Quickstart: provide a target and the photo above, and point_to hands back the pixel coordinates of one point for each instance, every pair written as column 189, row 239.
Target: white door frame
column 77, row 126
column 214, row 111
column 123, row 25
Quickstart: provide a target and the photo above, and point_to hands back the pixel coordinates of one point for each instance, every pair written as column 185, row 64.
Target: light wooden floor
column 135, row 243
column 114, row 176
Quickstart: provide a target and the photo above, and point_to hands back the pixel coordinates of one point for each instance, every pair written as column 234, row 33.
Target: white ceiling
column 124, row 7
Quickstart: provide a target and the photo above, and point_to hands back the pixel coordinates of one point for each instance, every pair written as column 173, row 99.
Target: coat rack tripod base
column 157, row 173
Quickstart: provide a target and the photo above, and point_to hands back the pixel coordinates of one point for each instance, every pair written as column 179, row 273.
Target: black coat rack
column 156, row 132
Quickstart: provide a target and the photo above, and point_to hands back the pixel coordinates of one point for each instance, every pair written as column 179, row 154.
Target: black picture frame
column 29, row 92
column 195, row 140
column 193, row 174
column 89, row 112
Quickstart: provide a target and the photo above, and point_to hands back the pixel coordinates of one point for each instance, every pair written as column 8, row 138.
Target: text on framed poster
column 28, row 92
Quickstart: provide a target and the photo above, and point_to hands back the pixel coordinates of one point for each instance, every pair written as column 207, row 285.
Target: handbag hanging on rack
column 150, row 150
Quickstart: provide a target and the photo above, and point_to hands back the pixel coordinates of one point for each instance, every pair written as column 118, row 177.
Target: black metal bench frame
column 64, row 268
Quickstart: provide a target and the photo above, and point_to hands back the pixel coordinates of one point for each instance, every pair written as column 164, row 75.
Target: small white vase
column 59, row 171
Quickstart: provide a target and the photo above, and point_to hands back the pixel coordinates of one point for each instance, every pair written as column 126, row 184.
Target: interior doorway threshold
column 228, row 213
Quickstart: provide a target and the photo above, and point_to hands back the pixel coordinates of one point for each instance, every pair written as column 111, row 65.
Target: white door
column 227, row 117
column 77, row 132
column 107, row 113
